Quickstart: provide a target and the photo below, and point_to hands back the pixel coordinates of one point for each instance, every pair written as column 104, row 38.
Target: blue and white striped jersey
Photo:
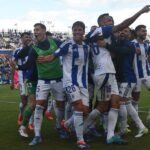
column 141, row 64
column 21, row 61
column 75, row 63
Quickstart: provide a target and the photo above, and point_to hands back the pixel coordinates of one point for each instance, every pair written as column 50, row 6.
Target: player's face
column 39, row 33
column 107, row 20
column 125, row 33
column 142, row 33
column 26, row 39
column 78, row 33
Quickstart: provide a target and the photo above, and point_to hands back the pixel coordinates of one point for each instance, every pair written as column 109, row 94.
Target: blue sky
column 59, row 15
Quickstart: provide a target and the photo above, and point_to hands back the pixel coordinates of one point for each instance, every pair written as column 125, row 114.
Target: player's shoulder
column 66, row 43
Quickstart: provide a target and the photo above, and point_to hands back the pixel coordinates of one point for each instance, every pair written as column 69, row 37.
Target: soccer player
column 49, row 79
column 75, row 64
column 25, row 39
column 31, row 88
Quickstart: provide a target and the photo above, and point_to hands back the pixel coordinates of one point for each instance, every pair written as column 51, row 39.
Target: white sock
column 91, row 119
column 49, row 105
column 122, row 117
column 78, row 124
column 54, row 105
column 112, row 120
column 68, row 110
column 134, row 115
column 38, row 118
column 59, row 116
column 135, row 105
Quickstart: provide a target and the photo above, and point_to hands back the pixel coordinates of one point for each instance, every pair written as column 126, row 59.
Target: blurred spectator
column 5, row 71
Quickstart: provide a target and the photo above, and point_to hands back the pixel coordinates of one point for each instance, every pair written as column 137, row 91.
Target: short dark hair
column 25, row 33
column 139, row 27
column 100, row 18
column 78, row 24
column 97, row 38
column 41, row 25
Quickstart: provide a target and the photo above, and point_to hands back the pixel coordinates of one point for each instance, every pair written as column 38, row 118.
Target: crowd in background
column 5, row 71
column 10, row 40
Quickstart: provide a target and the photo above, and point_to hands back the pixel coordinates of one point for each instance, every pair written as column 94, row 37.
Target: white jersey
column 102, row 60
column 141, row 64
column 75, row 63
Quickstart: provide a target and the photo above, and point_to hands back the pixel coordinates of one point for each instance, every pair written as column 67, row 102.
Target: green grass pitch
column 10, row 139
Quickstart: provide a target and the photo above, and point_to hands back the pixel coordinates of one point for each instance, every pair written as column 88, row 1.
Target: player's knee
column 78, row 106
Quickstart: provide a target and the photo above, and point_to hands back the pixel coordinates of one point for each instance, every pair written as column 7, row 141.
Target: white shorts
column 106, row 85
column 145, row 82
column 125, row 89
column 44, row 87
column 22, row 84
column 75, row 93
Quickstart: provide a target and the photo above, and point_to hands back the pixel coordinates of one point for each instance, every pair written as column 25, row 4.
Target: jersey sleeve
column 63, row 50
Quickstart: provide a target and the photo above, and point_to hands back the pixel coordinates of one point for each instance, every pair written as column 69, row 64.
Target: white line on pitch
column 8, row 102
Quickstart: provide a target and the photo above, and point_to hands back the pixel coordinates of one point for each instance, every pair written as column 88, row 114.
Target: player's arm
column 130, row 20
column 62, row 50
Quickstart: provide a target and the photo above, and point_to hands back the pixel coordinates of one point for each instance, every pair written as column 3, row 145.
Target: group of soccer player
column 111, row 58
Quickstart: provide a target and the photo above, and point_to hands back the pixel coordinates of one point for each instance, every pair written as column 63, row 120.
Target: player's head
column 25, row 38
column 105, row 19
column 100, row 41
column 39, row 31
column 125, row 33
column 93, row 28
column 78, row 30
column 141, row 32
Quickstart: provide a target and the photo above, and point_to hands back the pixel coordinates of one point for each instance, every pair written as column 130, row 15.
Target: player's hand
column 137, row 50
column 43, row 59
column 31, row 43
column 145, row 9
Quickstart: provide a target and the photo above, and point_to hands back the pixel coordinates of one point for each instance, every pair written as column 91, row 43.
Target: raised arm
column 130, row 20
